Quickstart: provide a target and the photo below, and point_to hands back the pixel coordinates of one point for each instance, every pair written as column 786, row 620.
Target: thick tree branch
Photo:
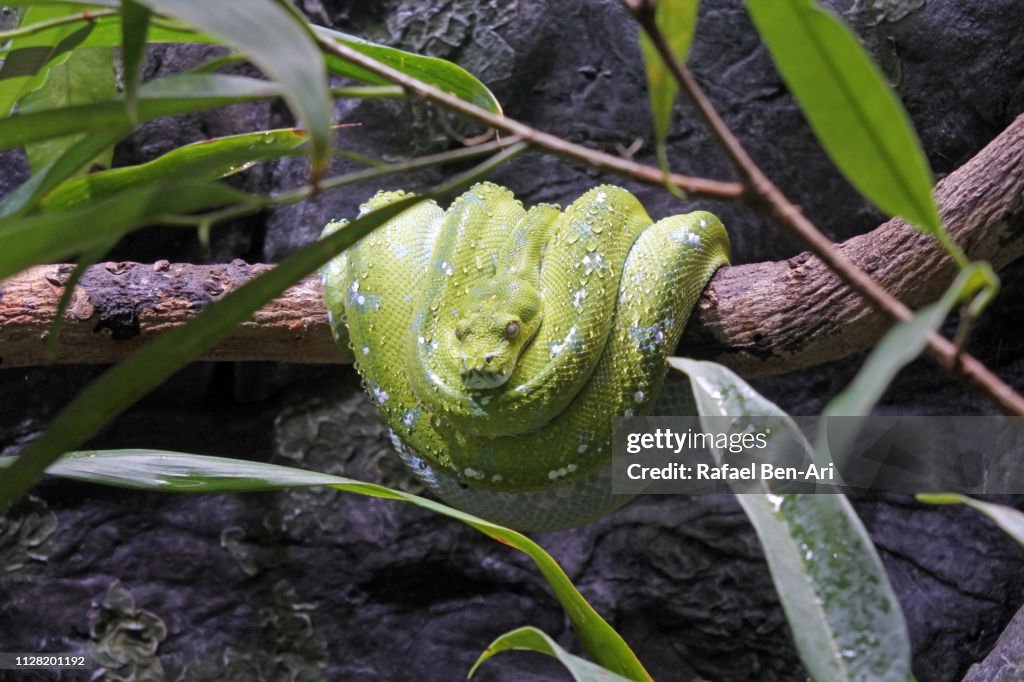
column 758, row 319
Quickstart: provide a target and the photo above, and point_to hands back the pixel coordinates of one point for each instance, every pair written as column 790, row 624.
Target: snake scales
column 499, row 342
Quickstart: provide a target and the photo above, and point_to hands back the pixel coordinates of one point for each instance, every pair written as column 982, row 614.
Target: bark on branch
column 758, row 319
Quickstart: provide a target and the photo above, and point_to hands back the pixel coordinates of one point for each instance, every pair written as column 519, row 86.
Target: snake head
column 500, row 324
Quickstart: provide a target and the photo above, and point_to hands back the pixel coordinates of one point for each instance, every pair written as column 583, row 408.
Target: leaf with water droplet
column 830, row 580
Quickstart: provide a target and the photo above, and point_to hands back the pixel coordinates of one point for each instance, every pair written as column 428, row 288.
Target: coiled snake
column 499, row 343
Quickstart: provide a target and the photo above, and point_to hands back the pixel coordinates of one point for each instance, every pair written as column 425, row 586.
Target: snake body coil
column 499, row 343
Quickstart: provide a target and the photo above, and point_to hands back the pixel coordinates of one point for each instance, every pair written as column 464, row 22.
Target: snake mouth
column 479, row 378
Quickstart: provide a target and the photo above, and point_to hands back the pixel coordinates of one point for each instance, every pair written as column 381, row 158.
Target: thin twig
column 31, row 29
column 695, row 187
column 306, row 191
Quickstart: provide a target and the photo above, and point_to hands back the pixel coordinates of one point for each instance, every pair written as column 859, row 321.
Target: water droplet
column 577, row 298
column 379, row 395
column 410, row 417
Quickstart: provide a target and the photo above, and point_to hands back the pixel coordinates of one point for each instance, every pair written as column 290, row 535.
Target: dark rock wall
column 319, row 585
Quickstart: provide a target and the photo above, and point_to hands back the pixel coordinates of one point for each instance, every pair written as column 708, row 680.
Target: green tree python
column 498, row 342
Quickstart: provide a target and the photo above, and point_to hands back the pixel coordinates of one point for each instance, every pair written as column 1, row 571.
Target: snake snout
column 478, row 375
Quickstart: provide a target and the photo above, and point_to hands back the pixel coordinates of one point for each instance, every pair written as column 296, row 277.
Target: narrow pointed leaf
column 677, row 22
column 180, row 472
column 850, row 107
column 206, row 160
column 440, row 73
column 532, row 639
column 841, row 609
column 1007, row 518
column 904, row 343
column 165, row 97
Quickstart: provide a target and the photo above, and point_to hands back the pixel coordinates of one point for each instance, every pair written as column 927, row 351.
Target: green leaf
column 165, row 97
column 440, row 73
column 199, row 161
column 531, row 639
column 844, row 616
column 281, row 46
column 134, row 27
column 1007, row 518
column 179, row 472
column 677, row 22
column 850, row 107
column 85, row 77
column 904, row 342
column 28, row 55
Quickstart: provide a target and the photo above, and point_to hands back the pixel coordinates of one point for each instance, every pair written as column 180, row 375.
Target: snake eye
column 460, row 331
column 511, row 330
